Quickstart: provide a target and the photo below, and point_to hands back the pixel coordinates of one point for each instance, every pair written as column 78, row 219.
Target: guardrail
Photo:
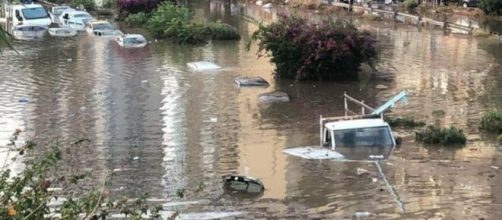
column 408, row 18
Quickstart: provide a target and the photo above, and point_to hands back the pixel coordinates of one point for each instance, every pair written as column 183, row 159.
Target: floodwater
column 161, row 128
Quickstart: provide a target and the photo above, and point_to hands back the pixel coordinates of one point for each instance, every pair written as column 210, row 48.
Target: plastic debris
column 144, row 81
column 361, row 171
column 362, row 214
column 135, row 158
column 376, row 157
column 83, row 108
column 214, row 120
column 495, row 167
column 374, row 179
column 69, row 59
column 23, row 100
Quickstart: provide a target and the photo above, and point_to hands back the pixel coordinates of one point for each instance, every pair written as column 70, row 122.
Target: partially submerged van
column 30, row 14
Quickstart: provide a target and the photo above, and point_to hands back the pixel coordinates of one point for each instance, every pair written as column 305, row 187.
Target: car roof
column 357, row 123
column 99, row 22
column 73, row 11
column 27, row 6
column 133, row 36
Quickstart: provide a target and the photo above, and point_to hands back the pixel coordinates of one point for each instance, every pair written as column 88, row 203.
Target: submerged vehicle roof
column 132, row 36
column 73, row 11
column 357, row 123
column 21, row 6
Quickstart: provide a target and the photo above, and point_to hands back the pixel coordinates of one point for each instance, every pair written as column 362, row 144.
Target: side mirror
column 19, row 18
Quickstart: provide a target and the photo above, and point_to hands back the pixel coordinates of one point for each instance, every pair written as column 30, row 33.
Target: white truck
column 25, row 21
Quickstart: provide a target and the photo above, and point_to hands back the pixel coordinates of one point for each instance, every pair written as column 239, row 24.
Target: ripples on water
column 152, row 121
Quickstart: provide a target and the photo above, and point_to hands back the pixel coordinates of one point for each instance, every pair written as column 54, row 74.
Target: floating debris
column 250, row 81
column 495, row 167
column 361, row 171
column 203, row 65
column 376, row 157
column 362, row 214
column 242, row 184
column 23, row 100
column 135, row 158
column 276, row 96
column 69, row 59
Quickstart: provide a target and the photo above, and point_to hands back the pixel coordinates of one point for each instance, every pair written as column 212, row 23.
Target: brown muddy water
column 161, row 128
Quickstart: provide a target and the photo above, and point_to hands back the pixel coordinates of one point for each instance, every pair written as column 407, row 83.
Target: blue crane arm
column 403, row 96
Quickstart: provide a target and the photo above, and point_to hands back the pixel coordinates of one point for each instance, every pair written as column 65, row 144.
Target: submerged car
column 102, row 28
column 77, row 20
column 56, row 12
column 29, row 32
column 131, row 41
column 62, row 32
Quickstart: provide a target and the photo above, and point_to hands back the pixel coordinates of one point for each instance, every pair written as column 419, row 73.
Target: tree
column 301, row 50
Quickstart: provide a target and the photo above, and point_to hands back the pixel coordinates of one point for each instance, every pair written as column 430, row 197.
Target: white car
column 131, row 41
column 102, row 28
column 29, row 32
column 62, row 32
column 77, row 20
column 56, row 12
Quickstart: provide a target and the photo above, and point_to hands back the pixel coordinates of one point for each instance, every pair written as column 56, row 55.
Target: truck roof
column 26, row 6
column 357, row 123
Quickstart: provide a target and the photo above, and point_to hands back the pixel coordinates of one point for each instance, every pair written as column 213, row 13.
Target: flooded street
column 161, row 127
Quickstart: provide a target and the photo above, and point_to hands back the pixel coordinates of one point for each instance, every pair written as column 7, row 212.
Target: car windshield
column 374, row 136
column 34, row 13
column 103, row 26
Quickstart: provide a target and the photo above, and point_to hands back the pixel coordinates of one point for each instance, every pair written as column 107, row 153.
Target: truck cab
column 29, row 14
column 358, row 132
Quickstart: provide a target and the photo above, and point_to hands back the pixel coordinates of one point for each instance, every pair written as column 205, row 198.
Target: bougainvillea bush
column 301, row 50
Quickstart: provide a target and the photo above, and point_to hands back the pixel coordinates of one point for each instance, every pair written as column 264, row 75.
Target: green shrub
column 173, row 22
column 491, row 7
column 137, row 19
column 492, row 121
column 443, row 136
column 404, row 122
column 167, row 15
column 410, row 5
column 27, row 194
column 221, row 31
column 187, row 33
column 305, row 51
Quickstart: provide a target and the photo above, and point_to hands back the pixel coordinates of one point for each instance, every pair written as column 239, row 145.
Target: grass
column 492, row 122
column 443, row 136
